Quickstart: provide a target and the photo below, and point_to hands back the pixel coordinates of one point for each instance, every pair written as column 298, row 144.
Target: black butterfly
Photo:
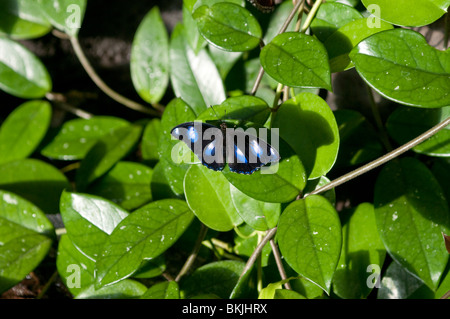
column 245, row 153
column 265, row 6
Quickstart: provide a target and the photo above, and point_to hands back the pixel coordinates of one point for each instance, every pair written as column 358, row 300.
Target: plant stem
column 187, row 265
column 389, row 156
column 60, row 101
column 283, row 28
column 47, row 285
column 277, row 256
column 311, row 15
column 103, row 86
column 269, row 235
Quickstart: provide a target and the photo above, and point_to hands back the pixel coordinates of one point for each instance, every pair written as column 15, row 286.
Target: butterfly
column 244, row 152
column 265, row 6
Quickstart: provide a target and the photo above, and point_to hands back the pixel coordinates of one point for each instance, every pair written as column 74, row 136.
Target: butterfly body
column 245, row 153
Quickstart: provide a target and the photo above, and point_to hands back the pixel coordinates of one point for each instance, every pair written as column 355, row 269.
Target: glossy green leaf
column 204, row 189
column 89, row 220
column 275, row 183
column 316, row 183
column 20, row 211
column 36, row 181
column 307, row 123
column 22, row 74
column 150, row 141
column 77, row 273
column 144, row 234
column 243, row 108
column 397, row 283
column 22, row 19
column 362, row 251
column 65, row 15
column 401, row 66
column 126, row 184
column 176, row 112
column 298, row 60
column 309, row 236
column 75, row 269
column 167, row 180
column 258, row 214
column 217, row 278
column 23, row 130
column 210, row 3
column 151, row 268
column 441, row 171
column 444, row 286
column 406, row 123
column 413, row 13
column 277, row 19
column 359, row 142
column 21, row 250
column 194, row 77
column 191, row 32
column 162, row 290
column 150, row 58
column 76, row 137
column 341, row 42
column 332, row 16
column 228, row 26
column 411, row 212
column 106, row 152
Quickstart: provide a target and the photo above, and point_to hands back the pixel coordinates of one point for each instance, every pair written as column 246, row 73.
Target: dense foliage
column 139, row 222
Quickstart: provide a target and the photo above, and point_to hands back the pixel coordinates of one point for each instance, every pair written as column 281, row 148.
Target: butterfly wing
column 205, row 141
column 248, row 153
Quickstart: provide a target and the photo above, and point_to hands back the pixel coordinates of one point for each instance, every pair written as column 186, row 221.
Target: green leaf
column 277, row 19
column 191, row 32
column 22, row 74
column 243, row 108
column 150, row 58
column 20, row 211
column 167, row 180
column 441, row 171
column 23, row 130
column 413, row 13
column 126, row 184
column 76, row 137
column 258, row 214
column 194, row 77
column 397, row 283
column 65, row 15
column 332, row 16
column 359, row 142
column 150, row 141
column 361, row 248
column 307, row 123
column 21, row 250
column 277, row 183
column 401, row 66
column 205, row 188
column 309, row 235
column 176, row 112
column 144, row 234
column 36, row 181
column 411, row 212
column 314, row 184
column 271, row 289
column 22, row 19
column 106, row 152
column 406, row 123
column 217, row 278
column 341, row 42
column 298, row 60
column 287, row 294
column 228, row 26
column 162, row 290
column 77, row 272
column 89, row 220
